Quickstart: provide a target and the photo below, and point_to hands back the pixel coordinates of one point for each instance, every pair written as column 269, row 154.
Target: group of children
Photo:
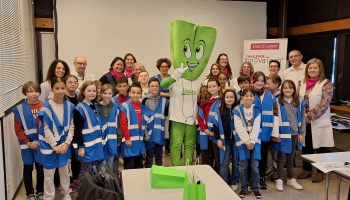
column 244, row 125
column 91, row 128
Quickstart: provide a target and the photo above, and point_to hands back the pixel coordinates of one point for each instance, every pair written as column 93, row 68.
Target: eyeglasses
column 164, row 67
column 275, row 66
column 80, row 63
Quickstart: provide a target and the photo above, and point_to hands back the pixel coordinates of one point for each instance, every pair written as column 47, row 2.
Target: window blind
column 17, row 50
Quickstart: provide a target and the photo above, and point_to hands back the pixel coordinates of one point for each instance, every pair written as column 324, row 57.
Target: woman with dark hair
column 224, row 65
column 58, row 68
column 163, row 65
column 130, row 60
column 116, row 70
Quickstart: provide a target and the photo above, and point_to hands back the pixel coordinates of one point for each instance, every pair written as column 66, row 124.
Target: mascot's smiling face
column 191, row 45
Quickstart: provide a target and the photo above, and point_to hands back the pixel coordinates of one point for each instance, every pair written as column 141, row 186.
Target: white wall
column 2, row 185
column 102, row 30
column 13, row 158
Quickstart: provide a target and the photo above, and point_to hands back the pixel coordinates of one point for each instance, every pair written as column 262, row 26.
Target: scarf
column 128, row 71
column 116, row 74
column 311, row 82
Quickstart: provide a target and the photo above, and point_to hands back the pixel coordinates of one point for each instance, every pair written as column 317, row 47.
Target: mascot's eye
column 199, row 52
column 187, row 51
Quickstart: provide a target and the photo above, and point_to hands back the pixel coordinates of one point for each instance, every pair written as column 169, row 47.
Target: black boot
column 262, row 183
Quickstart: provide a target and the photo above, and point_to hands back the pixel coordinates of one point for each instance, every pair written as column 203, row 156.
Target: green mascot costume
column 191, row 46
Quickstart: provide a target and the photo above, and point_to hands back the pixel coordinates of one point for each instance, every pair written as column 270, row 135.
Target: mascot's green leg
column 182, row 134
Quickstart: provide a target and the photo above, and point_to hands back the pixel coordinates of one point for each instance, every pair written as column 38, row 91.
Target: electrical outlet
column 8, row 187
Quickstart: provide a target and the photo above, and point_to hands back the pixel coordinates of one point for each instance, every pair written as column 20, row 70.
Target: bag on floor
column 194, row 187
column 167, row 177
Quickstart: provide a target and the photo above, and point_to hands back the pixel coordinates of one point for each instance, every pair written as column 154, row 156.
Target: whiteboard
column 102, row 30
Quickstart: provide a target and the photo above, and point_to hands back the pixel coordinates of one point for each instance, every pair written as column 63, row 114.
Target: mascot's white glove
column 178, row 72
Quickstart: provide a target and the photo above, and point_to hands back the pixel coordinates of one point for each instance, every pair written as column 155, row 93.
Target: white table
column 331, row 157
column 137, row 185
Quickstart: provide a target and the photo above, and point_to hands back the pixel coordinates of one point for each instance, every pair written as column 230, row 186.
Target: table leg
column 338, row 187
column 327, row 186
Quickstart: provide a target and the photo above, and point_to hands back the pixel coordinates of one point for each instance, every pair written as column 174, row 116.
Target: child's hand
column 206, row 131
column 300, row 138
column 275, row 139
column 220, row 145
column 128, row 143
column 56, row 149
column 64, row 148
column 250, row 146
column 81, row 152
column 33, row 145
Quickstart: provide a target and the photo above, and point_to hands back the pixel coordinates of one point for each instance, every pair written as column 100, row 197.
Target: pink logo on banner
column 265, row 46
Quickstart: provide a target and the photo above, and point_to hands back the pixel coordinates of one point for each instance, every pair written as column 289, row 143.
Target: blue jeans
column 156, row 152
column 225, row 168
column 255, row 176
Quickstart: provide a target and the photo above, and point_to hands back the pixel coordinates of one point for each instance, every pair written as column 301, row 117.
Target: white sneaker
column 234, row 187
column 293, row 183
column 279, row 185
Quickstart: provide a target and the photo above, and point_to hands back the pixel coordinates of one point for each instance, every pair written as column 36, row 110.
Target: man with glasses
column 80, row 64
column 297, row 71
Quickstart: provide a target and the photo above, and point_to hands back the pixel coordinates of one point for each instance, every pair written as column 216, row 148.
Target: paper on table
column 330, row 166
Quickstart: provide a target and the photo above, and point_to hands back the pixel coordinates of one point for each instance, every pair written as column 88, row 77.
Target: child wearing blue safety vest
column 267, row 103
column 225, row 139
column 87, row 131
column 155, row 137
column 273, row 84
column 210, row 153
column 26, row 128
column 133, row 119
column 247, row 121
column 291, row 130
column 108, row 110
column 55, row 136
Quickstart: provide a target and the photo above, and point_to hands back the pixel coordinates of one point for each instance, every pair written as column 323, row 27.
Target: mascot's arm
column 166, row 83
column 174, row 77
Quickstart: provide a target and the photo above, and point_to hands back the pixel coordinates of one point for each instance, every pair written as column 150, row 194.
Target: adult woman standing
column 136, row 69
column 58, row 68
column 130, row 60
column 317, row 91
column 224, row 65
column 274, row 67
column 116, row 70
column 163, row 65
column 246, row 69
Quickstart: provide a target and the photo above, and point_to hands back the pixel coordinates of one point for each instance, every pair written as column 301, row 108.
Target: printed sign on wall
column 260, row 52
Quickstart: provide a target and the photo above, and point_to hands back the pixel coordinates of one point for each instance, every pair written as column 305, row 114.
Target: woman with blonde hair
column 317, row 91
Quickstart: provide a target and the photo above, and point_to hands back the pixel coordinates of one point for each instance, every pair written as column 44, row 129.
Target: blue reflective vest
column 109, row 132
column 136, row 136
column 115, row 100
column 156, row 129
column 25, row 116
column 241, row 152
column 285, row 145
column 214, row 118
column 50, row 159
column 92, row 134
column 266, row 106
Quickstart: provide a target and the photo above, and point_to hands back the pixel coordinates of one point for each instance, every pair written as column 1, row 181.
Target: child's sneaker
column 293, row 183
column 262, row 183
column 242, row 194
column 279, row 185
column 31, row 197
column 257, row 194
column 234, row 187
